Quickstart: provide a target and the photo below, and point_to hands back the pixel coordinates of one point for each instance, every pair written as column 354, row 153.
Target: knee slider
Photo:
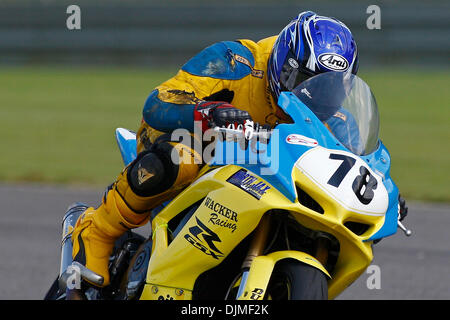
column 146, row 174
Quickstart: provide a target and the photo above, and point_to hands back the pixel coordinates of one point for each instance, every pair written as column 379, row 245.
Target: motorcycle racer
column 228, row 82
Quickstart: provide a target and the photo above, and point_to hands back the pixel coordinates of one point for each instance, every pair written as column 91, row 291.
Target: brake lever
column 407, row 231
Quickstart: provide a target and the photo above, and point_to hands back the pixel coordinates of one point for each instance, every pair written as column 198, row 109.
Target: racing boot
column 147, row 182
column 97, row 230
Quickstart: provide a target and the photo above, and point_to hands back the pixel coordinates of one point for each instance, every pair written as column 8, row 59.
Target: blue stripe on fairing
column 281, row 177
column 380, row 161
column 127, row 148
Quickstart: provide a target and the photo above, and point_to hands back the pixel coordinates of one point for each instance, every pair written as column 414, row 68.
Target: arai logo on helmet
column 333, row 61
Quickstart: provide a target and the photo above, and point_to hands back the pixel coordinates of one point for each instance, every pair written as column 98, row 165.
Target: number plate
column 347, row 179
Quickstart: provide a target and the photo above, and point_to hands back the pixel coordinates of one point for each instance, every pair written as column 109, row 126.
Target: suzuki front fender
column 262, row 267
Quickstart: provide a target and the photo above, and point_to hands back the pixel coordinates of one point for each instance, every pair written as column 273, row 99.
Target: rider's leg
column 152, row 178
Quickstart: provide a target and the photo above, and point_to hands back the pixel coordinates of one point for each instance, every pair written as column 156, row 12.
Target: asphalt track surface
column 416, row 268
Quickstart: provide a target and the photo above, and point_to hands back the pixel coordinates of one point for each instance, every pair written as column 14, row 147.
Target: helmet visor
column 345, row 103
column 293, row 73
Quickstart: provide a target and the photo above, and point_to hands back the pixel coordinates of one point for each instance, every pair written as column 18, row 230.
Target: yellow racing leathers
column 231, row 71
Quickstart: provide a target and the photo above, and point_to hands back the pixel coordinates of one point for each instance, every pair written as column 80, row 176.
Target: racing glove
column 402, row 208
column 402, row 212
column 219, row 114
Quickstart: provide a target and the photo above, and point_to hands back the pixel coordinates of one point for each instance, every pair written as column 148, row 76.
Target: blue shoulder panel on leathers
column 217, row 61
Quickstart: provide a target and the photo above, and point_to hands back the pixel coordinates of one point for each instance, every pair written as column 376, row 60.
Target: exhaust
column 68, row 266
column 70, row 218
column 73, row 212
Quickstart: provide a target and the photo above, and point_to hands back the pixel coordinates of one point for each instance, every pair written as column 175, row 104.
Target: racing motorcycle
column 289, row 213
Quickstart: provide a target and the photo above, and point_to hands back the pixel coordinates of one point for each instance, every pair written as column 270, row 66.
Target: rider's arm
column 204, row 77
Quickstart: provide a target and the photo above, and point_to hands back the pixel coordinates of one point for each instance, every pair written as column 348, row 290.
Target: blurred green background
column 59, row 124
column 63, row 93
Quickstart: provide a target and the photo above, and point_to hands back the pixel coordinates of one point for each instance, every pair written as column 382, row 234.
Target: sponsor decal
column 222, row 216
column 167, row 297
column 340, row 115
column 257, row 294
column 293, row 63
column 215, row 219
column 301, row 140
column 306, row 92
column 251, row 184
column 333, row 61
column 241, row 59
column 143, row 174
column 202, row 238
column 255, row 72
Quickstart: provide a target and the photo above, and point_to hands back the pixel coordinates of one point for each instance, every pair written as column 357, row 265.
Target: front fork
column 257, row 268
column 256, row 249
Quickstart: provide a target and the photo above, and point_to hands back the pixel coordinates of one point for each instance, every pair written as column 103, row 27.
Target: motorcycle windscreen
column 347, row 107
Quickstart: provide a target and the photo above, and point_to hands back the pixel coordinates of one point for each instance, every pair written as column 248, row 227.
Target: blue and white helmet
column 309, row 45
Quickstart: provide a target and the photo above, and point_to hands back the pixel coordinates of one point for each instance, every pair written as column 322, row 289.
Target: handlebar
column 247, row 131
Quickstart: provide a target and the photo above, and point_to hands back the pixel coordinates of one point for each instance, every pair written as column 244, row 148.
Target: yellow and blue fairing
column 275, row 161
column 274, row 185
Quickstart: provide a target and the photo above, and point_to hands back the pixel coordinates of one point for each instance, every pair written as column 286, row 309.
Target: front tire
column 294, row 280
